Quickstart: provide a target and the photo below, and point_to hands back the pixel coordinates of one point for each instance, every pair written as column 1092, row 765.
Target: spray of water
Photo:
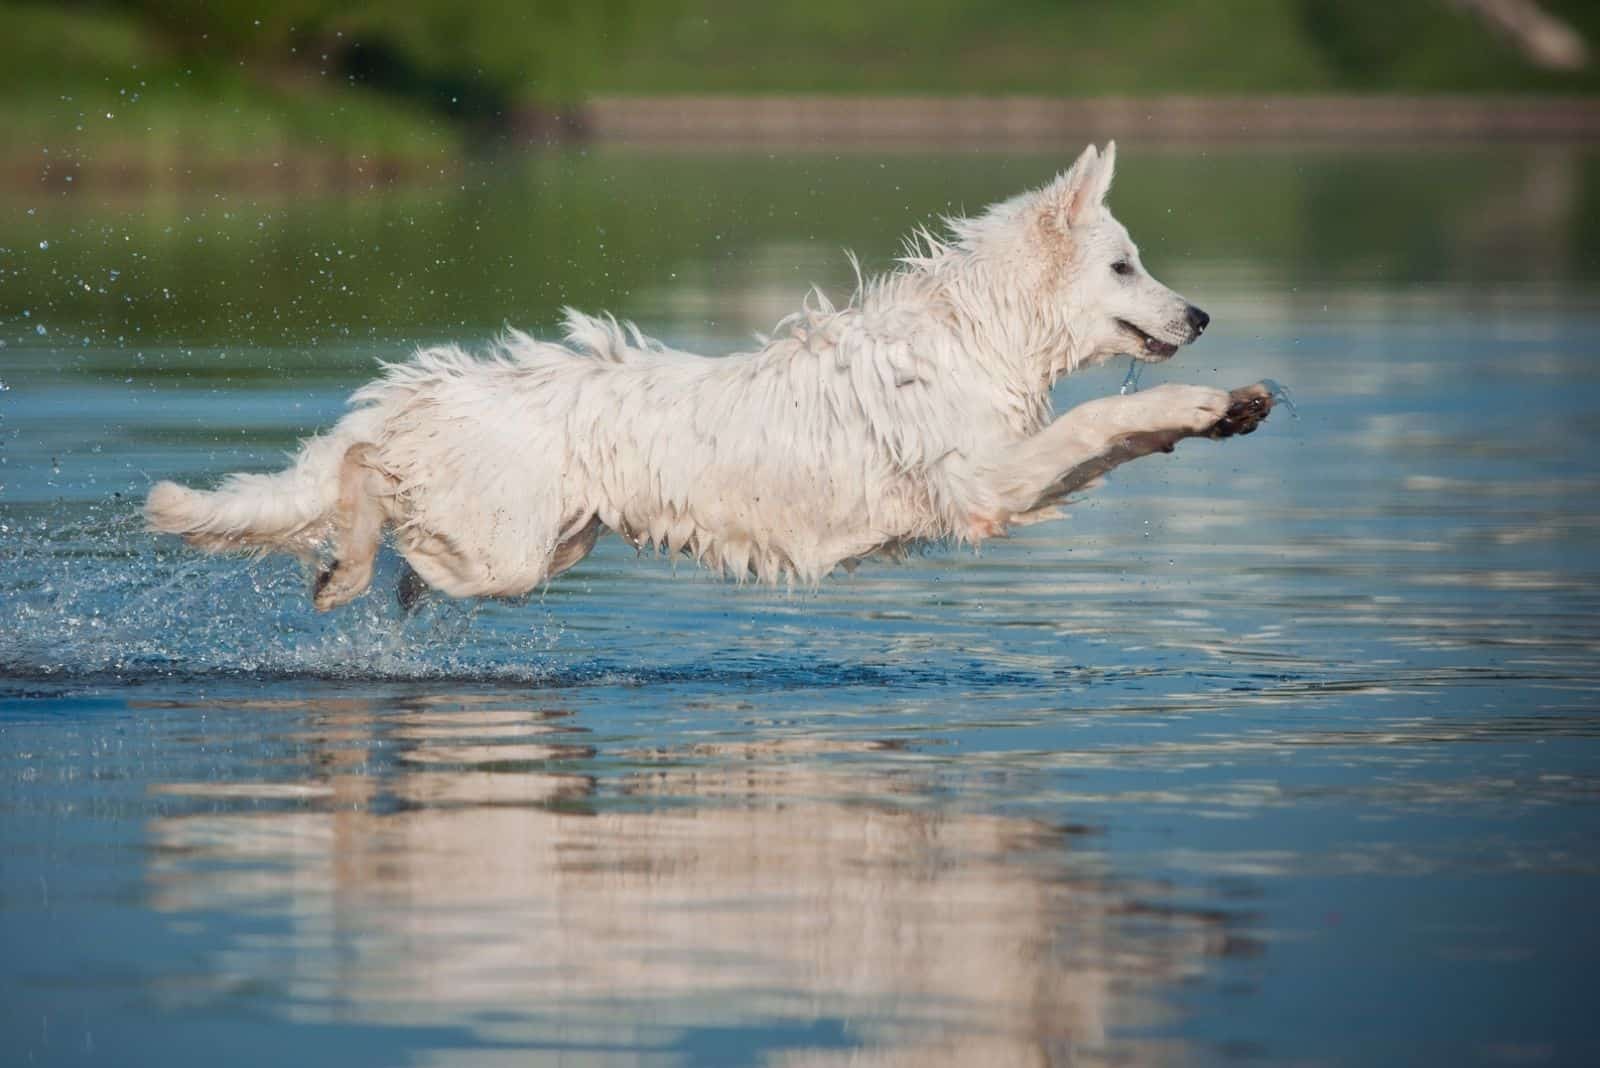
column 99, row 596
column 1130, row 384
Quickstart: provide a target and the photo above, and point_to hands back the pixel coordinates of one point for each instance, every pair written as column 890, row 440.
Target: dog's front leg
column 1091, row 439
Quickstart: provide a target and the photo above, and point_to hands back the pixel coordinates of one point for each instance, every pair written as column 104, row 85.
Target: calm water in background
column 1278, row 750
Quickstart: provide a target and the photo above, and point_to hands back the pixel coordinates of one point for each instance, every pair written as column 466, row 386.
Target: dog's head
column 1082, row 273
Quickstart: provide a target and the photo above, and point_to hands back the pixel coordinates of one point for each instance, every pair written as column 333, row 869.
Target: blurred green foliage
column 415, row 79
column 463, row 56
column 557, row 50
column 97, row 85
column 1082, row 47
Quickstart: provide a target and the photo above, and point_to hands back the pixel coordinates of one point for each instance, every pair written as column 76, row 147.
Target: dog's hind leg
column 358, row 530
column 1093, row 438
column 435, row 561
column 575, row 547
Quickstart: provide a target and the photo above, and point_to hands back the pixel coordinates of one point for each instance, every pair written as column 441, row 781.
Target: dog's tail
column 285, row 512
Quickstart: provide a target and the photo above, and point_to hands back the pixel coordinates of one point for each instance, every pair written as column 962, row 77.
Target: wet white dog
column 920, row 412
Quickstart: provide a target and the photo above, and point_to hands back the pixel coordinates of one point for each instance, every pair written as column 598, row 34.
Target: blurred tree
column 1544, row 38
column 470, row 58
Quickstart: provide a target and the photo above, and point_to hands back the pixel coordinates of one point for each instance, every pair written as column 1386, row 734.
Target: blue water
column 1282, row 749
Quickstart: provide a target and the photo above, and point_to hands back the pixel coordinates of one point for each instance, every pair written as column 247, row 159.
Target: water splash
column 1280, row 394
column 1130, row 384
column 99, row 597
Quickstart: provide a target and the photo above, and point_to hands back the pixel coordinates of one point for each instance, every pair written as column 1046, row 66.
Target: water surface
column 1278, row 750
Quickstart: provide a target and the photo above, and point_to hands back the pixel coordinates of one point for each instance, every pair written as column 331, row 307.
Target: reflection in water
column 825, row 911
column 678, row 240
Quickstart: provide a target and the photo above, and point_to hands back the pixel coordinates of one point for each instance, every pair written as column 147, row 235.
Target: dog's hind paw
column 339, row 583
column 324, row 576
column 1248, row 408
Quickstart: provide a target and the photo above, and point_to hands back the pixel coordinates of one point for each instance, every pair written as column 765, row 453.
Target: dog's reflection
column 450, row 865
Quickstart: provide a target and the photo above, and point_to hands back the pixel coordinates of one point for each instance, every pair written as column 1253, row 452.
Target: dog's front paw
column 1248, row 407
column 1181, row 410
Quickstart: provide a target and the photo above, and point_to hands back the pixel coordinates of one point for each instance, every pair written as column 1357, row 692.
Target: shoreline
column 847, row 123
column 929, row 121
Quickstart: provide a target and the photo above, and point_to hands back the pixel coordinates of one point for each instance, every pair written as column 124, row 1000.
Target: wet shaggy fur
column 919, row 412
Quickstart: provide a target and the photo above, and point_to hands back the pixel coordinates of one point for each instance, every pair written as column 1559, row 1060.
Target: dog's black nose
column 1198, row 319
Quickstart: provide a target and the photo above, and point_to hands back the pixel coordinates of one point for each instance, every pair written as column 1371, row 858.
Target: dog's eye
column 1122, row 267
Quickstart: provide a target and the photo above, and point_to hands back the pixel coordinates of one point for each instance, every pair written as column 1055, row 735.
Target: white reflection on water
column 764, row 885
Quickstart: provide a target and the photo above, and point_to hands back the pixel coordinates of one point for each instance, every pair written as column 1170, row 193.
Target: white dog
column 920, row 412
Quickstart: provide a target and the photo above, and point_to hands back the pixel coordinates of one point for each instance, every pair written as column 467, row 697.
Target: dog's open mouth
column 1149, row 346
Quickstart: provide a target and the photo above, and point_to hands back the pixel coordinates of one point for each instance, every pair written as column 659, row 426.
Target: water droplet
column 1130, row 384
column 1280, row 394
column 44, row 244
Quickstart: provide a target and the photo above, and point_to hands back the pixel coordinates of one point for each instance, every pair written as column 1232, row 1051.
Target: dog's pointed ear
column 1105, row 172
column 1079, row 192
